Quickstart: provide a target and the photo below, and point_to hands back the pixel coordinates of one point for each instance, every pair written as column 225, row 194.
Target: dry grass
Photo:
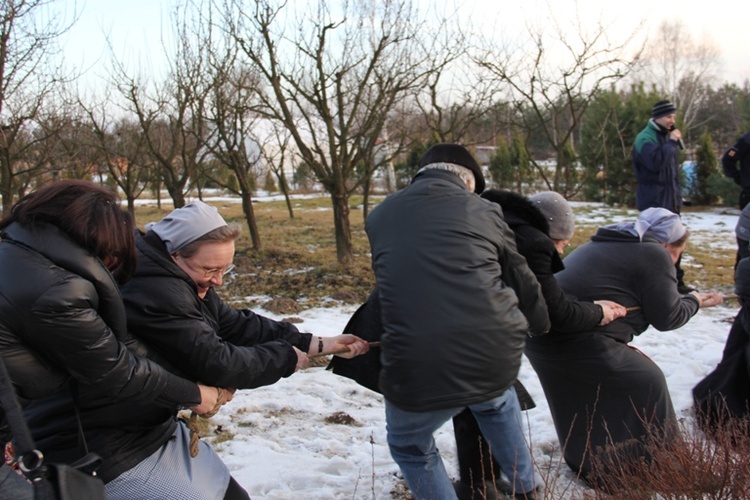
column 696, row 466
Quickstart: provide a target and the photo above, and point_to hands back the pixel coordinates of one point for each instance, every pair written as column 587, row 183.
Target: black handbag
column 50, row 481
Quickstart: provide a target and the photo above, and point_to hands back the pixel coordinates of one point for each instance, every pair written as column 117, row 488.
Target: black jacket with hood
column 531, row 229
column 457, row 300
column 204, row 339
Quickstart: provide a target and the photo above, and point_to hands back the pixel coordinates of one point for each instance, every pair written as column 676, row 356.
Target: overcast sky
column 135, row 26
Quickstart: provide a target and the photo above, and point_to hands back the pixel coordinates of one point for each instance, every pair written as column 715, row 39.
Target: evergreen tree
column 501, row 166
column 303, row 176
column 706, row 165
column 406, row 170
column 612, row 122
column 519, row 156
column 270, row 183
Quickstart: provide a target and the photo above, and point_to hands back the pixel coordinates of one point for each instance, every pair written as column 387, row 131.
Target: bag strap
column 29, row 458
column 73, row 384
column 89, row 462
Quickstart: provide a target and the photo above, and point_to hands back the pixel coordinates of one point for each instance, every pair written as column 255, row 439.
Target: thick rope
column 192, row 423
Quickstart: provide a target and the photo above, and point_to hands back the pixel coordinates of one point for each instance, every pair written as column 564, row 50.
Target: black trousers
column 235, row 491
column 744, row 197
column 680, row 272
column 475, row 463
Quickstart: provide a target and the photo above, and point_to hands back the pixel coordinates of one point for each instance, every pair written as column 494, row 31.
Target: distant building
column 484, row 153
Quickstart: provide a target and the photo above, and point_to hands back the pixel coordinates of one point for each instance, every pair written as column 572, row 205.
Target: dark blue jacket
column 656, row 164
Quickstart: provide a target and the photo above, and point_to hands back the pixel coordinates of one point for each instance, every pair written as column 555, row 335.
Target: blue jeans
column 412, row 445
column 13, row 485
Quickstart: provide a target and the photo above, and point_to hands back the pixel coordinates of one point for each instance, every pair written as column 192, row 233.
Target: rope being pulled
column 192, row 423
column 341, row 351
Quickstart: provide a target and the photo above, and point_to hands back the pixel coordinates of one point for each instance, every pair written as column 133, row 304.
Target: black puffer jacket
column 61, row 318
column 533, row 242
column 204, row 339
column 201, row 339
column 455, row 295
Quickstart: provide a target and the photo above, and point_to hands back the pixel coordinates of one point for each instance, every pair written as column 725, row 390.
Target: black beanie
column 458, row 155
column 662, row 108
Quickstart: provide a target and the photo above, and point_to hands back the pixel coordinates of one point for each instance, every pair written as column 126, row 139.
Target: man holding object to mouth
column 656, row 161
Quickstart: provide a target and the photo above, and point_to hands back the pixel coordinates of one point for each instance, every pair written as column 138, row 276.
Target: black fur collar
column 517, row 209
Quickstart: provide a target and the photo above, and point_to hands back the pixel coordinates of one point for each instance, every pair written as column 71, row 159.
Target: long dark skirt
column 602, row 394
column 723, row 396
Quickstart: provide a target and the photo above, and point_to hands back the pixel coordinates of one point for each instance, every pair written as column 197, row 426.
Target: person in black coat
column 723, row 396
column 172, row 307
column 457, row 303
column 742, row 233
column 543, row 225
column 735, row 162
column 607, row 399
column 63, row 336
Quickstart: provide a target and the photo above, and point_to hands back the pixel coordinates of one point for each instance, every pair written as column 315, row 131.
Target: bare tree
column 454, row 98
column 66, row 140
column 276, row 153
column 332, row 78
column 232, row 121
column 226, row 110
column 681, row 69
column 170, row 114
column 30, row 72
column 119, row 148
column 550, row 83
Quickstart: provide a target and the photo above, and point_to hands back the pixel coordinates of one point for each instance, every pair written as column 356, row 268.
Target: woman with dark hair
column 609, row 401
column 63, row 335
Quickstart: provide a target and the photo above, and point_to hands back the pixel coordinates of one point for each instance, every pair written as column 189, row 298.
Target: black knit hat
column 458, row 155
column 662, row 108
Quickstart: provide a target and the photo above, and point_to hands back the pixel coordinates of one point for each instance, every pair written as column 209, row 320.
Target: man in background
column 736, row 165
column 656, row 161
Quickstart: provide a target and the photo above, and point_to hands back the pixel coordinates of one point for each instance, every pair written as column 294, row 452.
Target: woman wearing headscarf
column 602, row 393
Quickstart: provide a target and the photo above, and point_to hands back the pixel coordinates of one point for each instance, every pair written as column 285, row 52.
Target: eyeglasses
column 208, row 273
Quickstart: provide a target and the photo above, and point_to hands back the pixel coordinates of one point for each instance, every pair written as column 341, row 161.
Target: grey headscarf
column 660, row 223
column 187, row 224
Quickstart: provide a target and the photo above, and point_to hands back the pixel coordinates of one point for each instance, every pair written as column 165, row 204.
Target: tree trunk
column 131, row 205
column 252, row 224
column 6, row 184
column 178, row 197
column 366, row 197
column 344, row 250
column 284, row 185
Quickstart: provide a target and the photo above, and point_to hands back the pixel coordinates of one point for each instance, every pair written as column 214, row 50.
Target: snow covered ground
column 316, row 435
